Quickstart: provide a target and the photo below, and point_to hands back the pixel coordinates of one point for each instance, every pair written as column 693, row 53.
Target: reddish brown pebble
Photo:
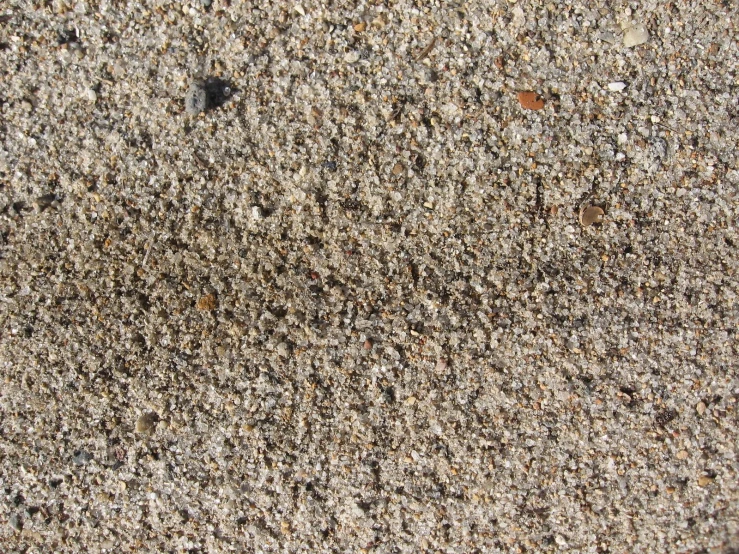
column 530, row 100
column 367, row 344
column 499, row 62
column 207, row 303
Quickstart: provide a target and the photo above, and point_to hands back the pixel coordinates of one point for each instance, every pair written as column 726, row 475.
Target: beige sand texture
column 445, row 277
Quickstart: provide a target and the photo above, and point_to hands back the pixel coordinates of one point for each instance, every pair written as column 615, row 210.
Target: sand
column 397, row 278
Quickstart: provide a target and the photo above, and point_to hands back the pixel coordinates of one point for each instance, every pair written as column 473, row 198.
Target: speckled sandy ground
column 345, row 301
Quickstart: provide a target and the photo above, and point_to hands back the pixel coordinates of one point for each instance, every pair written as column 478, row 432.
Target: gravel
column 337, row 296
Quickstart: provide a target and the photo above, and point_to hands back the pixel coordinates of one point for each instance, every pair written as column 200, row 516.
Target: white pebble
column 616, row 86
column 351, row 57
column 636, row 35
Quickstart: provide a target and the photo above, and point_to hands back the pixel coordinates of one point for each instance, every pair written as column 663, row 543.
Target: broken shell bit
column 591, row 215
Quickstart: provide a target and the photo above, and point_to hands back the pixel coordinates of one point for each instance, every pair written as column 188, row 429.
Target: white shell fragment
column 616, row 86
column 636, row 35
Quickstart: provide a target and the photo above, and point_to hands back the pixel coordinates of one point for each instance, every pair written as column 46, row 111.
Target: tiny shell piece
column 590, row 215
column 616, row 86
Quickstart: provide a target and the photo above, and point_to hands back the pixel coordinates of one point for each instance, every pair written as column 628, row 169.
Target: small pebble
column 146, row 423
column 682, row 455
column 351, row 57
column 616, row 86
column 704, row 480
column 15, row 522
column 398, row 169
column 591, row 215
column 700, row 408
column 530, row 100
column 207, row 303
column 368, row 344
column 196, row 99
column 636, row 35
column 359, row 27
column 81, row 457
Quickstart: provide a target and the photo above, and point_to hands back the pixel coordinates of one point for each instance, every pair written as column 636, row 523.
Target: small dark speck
column 20, row 207
column 665, row 416
column 389, row 394
column 48, row 200
column 67, row 36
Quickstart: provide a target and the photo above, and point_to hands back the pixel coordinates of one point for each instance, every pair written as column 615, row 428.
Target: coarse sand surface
column 444, row 277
